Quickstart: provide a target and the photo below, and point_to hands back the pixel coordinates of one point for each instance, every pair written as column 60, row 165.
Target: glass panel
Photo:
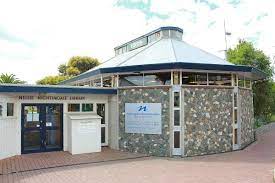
column 103, row 135
column 32, row 140
column 101, row 112
column 194, row 78
column 97, row 83
column 31, row 117
column 176, row 117
column 247, row 83
column 153, row 37
column 107, row 82
column 176, row 78
column 1, row 110
column 219, row 79
column 235, row 100
column 165, row 33
column 131, row 80
column 53, row 116
column 10, row 109
column 87, row 107
column 114, row 81
column 176, row 139
column 235, row 116
column 235, row 136
column 53, row 139
column 235, row 80
column 73, row 107
column 176, row 99
column 157, row 79
column 241, row 81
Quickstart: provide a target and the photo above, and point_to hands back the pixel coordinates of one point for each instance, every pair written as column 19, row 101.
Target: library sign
column 43, row 97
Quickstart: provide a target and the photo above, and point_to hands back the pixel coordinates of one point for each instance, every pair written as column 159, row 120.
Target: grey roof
column 164, row 52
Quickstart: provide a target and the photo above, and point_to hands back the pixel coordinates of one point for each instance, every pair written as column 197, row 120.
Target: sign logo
column 142, row 108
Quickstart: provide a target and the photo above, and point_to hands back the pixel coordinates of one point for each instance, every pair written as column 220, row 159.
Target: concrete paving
column 254, row 164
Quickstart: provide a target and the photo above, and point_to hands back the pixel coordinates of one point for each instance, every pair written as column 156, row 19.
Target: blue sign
column 143, row 118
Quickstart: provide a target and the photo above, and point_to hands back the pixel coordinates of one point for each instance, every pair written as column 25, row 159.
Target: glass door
column 101, row 111
column 42, row 127
column 53, row 137
column 31, row 128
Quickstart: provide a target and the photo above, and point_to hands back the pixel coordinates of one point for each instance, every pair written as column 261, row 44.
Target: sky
column 37, row 36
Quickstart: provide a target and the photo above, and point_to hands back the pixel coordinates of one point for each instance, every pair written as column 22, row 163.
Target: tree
column 78, row 65
column 246, row 54
column 62, row 69
column 51, row 80
column 75, row 66
column 10, row 78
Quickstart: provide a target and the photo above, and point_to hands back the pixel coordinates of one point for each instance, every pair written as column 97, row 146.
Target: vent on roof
column 163, row 32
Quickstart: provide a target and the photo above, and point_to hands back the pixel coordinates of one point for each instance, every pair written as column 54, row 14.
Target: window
column 241, row 81
column 10, row 109
column 194, row 78
column 114, row 81
column 175, row 34
column 176, row 99
column 235, row 116
column 153, row 37
column 176, row 117
column 73, row 107
column 235, row 80
column 247, row 83
column 176, row 78
column 219, row 79
column 157, row 79
column 1, row 110
column 235, row 136
column 131, row 80
column 87, row 107
column 235, row 99
column 97, row 83
column 107, row 82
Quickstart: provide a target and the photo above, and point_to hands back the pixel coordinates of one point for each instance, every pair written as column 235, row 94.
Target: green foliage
column 52, row 80
column 75, row 66
column 78, row 65
column 62, row 69
column 246, row 54
column 10, row 78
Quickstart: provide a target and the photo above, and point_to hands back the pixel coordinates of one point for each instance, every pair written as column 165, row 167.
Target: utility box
column 84, row 133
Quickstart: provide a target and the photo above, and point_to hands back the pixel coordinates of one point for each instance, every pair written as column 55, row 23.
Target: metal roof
column 165, row 53
column 4, row 88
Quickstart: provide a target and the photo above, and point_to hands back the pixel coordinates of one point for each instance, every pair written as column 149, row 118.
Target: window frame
column 13, row 109
column 74, row 104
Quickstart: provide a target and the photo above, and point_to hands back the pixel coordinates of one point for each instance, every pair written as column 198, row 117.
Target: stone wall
column 246, row 116
column 208, row 120
column 157, row 145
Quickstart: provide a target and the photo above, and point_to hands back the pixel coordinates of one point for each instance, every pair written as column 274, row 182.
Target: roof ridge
column 138, row 52
column 173, row 48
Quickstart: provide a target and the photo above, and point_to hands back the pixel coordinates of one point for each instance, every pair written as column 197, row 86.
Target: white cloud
column 61, row 29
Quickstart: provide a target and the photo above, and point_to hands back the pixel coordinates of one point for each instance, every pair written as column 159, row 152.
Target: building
column 158, row 95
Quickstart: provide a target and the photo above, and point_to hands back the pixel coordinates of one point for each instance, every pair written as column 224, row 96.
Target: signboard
column 45, row 97
column 143, row 118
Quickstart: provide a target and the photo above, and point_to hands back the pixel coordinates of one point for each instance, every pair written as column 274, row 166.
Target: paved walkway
column 252, row 165
column 39, row 161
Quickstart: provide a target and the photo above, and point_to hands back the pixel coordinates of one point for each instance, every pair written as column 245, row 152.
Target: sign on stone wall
column 143, row 118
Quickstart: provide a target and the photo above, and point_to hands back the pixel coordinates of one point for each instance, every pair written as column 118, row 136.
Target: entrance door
column 101, row 111
column 42, row 127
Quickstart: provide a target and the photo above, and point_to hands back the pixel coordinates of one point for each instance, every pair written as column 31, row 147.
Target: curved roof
column 165, row 53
